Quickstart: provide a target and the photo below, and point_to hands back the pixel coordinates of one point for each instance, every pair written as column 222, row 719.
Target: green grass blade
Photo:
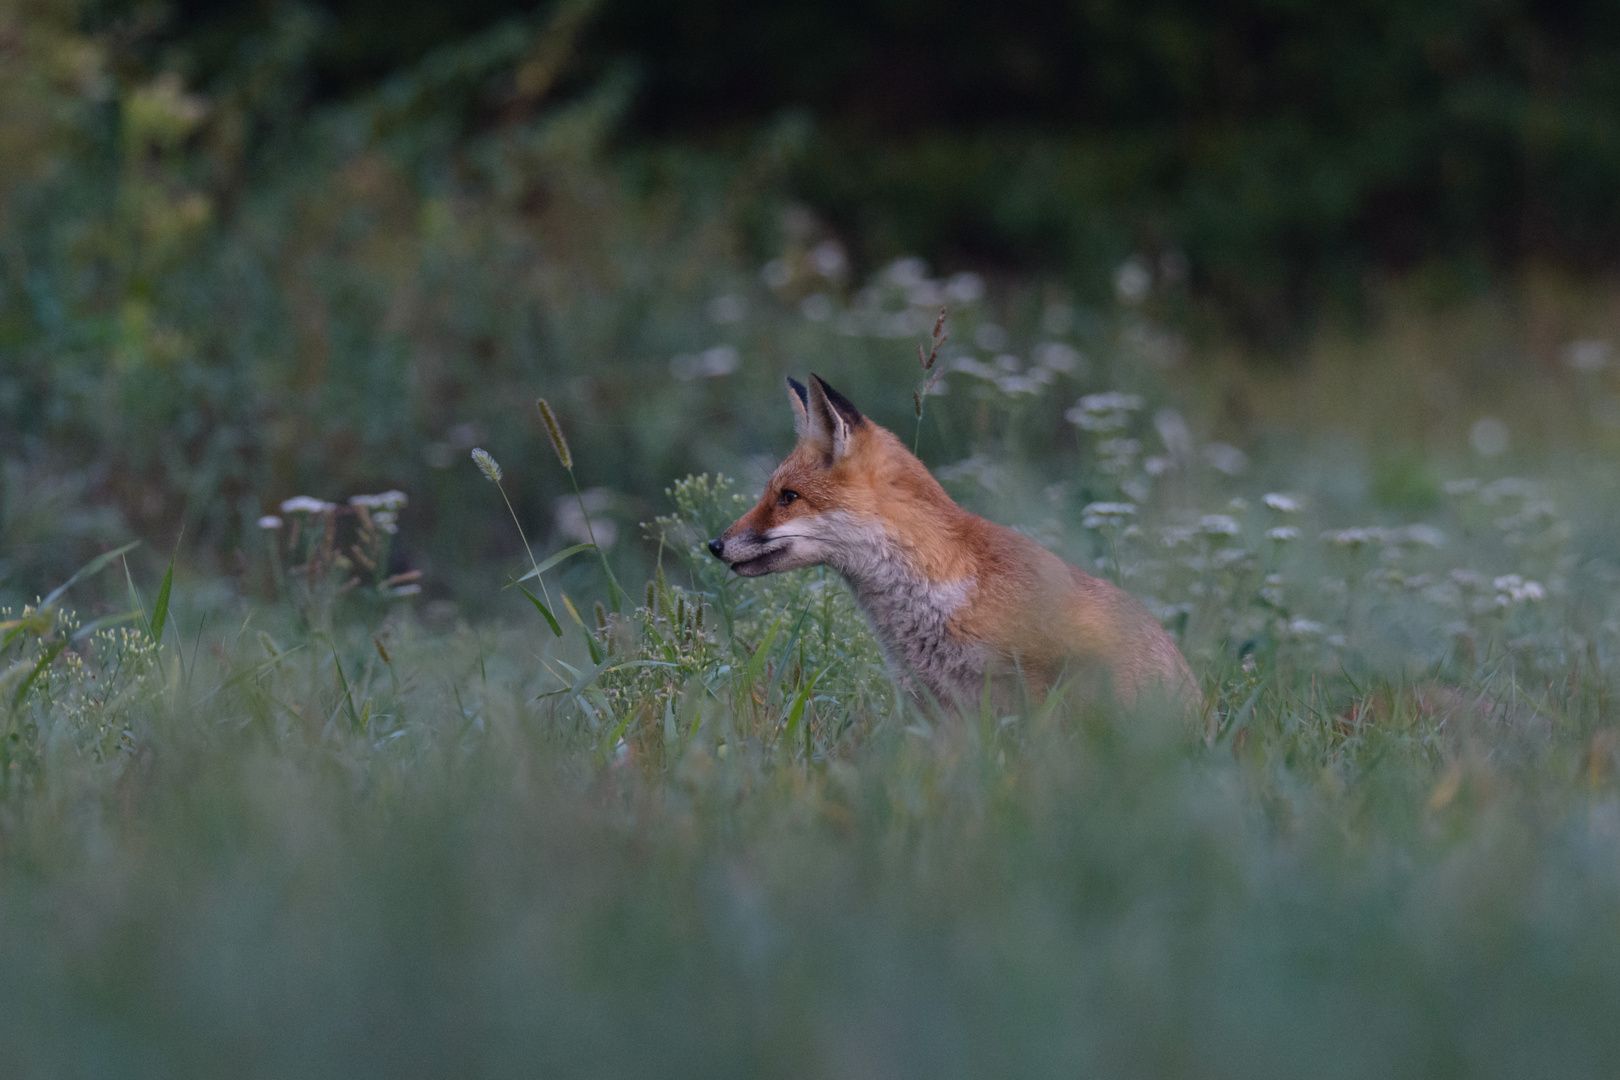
column 135, row 595
column 566, row 553
column 160, row 611
column 800, row 700
column 94, row 566
column 348, row 697
column 551, row 620
column 590, row 639
column 604, row 749
column 38, row 624
column 51, row 653
column 756, row 665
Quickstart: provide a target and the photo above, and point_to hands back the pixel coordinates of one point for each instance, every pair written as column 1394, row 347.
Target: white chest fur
column 910, row 614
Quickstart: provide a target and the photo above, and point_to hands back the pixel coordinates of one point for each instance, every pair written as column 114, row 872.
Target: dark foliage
column 1288, row 148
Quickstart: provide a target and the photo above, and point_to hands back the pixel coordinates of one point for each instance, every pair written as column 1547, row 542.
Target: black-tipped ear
column 799, row 398
column 830, row 420
column 842, row 405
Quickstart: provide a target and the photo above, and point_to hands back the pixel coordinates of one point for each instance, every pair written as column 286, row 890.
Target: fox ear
column 799, row 397
column 831, row 419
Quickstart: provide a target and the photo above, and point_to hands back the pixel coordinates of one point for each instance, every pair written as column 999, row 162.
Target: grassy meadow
column 330, row 747
column 309, row 821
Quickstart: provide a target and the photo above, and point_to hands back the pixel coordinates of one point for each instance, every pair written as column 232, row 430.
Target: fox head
column 823, row 504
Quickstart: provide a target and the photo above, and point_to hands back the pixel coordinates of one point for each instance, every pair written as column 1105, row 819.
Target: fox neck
column 910, row 613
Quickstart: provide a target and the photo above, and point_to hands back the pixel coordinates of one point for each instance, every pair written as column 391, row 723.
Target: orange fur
column 1027, row 609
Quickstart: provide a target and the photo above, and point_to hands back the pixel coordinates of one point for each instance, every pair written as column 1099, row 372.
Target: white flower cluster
column 1099, row 515
column 1108, row 411
column 1512, row 589
column 385, row 501
column 1419, row 534
column 304, row 504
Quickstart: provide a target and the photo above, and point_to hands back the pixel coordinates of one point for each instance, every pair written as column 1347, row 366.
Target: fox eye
column 787, row 496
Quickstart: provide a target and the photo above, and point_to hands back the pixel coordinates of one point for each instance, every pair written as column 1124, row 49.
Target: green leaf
column 348, row 698
column 551, row 620
column 38, row 624
column 590, row 639
column 566, row 553
column 92, row 567
column 160, row 612
column 800, row 700
column 756, row 666
column 611, row 739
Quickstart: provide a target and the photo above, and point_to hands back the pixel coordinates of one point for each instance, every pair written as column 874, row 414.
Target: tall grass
column 339, row 835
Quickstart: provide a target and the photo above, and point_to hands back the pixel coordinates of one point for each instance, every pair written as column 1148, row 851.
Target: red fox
column 955, row 600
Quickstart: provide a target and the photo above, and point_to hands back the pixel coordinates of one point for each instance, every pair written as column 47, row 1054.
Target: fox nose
column 714, row 547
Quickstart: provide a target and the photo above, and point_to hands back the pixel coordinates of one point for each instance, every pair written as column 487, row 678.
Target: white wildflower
column 1103, row 412
column 1106, row 514
column 1354, row 537
column 1176, row 535
column 387, row 500
column 1132, row 280
column 1426, row 535
column 1226, row 459
column 828, row 259
column 303, row 504
column 1513, row 589
column 269, row 521
column 1111, row 401
column 1173, row 429
column 1283, row 504
column 908, row 271
column 965, row 288
column 1218, row 525
column 1282, row 534
column 776, row 274
column 1488, row 436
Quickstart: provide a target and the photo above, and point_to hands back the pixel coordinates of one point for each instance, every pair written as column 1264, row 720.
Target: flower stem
column 615, row 590
column 526, row 547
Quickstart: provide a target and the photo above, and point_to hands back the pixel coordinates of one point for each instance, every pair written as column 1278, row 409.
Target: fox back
column 954, row 599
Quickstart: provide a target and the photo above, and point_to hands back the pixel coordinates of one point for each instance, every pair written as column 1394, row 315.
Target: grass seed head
column 554, row 429
column 487, row 464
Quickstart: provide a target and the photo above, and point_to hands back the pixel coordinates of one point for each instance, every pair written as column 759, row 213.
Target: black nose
column 714, row 547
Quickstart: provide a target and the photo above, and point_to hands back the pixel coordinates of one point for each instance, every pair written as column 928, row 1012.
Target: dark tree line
column 1284, row 145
